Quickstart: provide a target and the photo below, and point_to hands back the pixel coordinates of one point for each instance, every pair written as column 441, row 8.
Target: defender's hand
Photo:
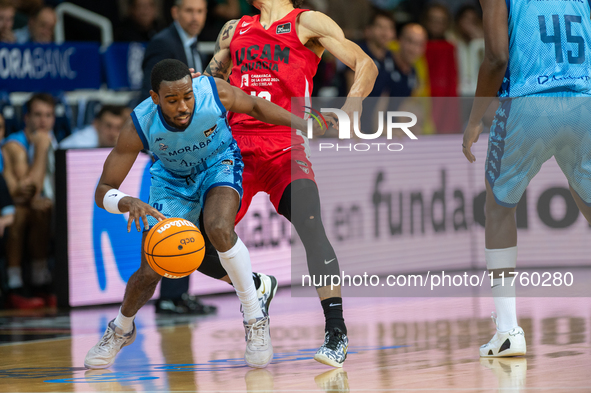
column 194, row 74
column 471, row 135
column 138, row 210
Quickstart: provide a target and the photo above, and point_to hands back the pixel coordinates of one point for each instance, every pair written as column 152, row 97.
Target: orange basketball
column 174, row 248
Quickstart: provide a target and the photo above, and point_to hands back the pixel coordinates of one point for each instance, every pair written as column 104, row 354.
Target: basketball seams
column 151, row 258
column 176, row 233
column 170, row 271
column 176, row 255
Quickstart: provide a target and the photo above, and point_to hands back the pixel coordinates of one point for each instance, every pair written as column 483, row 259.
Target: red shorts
column 271, row 162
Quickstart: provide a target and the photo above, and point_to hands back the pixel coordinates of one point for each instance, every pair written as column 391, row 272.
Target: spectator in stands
column 103, row 132
column 6, row 204
column 7, row 12
column 28, row 158
column 177, row 41
column 352, row 18
column 40, row 27
column 25, row 8
column 141, row 23
column 440, row 52
column 469, row 41
column 443, row 70
column 378, row 34
column 397, row 75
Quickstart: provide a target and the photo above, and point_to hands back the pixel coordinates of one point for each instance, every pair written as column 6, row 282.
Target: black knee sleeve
column 301, row 203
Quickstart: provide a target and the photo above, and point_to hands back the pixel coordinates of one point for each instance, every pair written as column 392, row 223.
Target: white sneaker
column 259, row 350
column 102, row 355
column 511, row 343
column 266, row 291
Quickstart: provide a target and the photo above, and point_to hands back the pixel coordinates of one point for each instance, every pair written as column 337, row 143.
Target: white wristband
column 111, row 201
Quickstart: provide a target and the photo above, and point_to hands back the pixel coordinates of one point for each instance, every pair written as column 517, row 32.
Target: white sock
column 502, row 291
column 124, row 323
column 40, row 274
column 15, row 279
column 236, row 262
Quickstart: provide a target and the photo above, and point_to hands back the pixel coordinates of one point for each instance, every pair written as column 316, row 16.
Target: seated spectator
column 178, row 41
column 443, row 71
column 141, row 23
column 396, row 72
column 103, row 132
column 39, row 29
column 352, row 18
column 7, row 12
column 24, row 8
column 440, row 53
column 469, row 41
column 6, row 204
column 28, row 170
column 378, row 34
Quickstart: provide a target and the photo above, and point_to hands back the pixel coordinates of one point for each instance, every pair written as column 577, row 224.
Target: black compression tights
column 300, row 204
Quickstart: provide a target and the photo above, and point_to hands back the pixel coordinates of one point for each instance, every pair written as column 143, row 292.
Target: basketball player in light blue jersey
column 198, row 169
column 538, row 61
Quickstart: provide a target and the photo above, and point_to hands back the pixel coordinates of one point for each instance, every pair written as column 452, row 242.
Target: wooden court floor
column 412, row 344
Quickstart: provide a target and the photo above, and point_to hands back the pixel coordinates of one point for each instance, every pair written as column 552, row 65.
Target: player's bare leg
column 15, row 246
column 219, row 214
column 39, row 235
column 121, row 331
column 501, row 258
column 140, row 287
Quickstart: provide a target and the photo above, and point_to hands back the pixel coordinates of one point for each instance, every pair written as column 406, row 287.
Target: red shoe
column 50, row 300
column 25, row 303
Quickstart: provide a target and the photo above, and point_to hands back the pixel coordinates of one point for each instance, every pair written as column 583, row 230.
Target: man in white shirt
column 103, row 132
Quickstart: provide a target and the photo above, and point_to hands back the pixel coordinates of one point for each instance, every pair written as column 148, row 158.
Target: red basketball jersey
column 271, row 64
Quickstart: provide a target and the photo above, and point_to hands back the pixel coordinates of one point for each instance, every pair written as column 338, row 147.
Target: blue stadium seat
column 11, row 117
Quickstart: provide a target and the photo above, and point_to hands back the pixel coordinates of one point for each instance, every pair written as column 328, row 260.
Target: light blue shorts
column 528, row 131
column 184, row 196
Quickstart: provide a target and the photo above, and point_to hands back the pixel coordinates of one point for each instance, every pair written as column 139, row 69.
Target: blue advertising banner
column 122, row 62
column 50, row 67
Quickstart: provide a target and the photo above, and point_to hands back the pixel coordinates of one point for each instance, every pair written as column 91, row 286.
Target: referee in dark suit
column 178, row 41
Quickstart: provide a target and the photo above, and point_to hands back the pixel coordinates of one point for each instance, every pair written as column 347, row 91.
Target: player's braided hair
column 169, row 70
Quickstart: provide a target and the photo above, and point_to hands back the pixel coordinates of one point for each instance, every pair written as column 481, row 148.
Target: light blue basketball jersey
column 549, row 48
column 185, row 152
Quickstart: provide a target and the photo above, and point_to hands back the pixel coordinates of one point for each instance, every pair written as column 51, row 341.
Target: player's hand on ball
column 138, row 210
column 471, row 135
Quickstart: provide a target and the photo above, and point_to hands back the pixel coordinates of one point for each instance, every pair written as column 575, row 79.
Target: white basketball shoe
column 511, row 343
column 259, row 350
column 102, row 355
column 266, row 291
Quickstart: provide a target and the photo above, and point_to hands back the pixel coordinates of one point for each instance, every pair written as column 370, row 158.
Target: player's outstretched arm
column 235, row 100
column 221, row 63
column 492, row 70
column 321, row 28
column 116, row 168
